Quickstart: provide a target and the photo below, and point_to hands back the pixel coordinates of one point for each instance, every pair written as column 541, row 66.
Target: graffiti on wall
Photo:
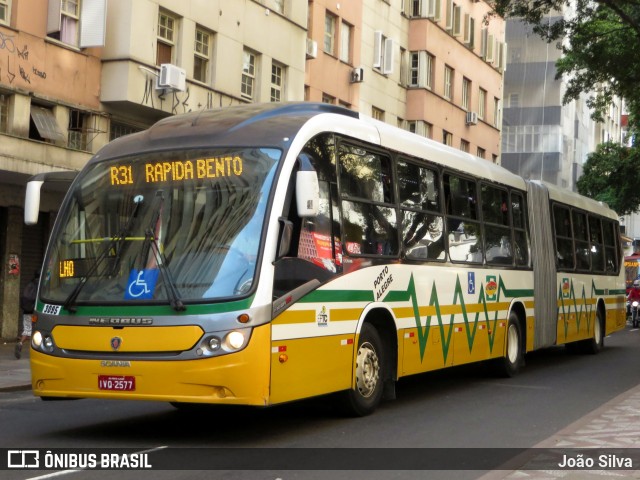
column 17, row 64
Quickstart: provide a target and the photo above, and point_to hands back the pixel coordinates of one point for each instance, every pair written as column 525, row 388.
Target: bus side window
column 564, row 238
column 464, row 230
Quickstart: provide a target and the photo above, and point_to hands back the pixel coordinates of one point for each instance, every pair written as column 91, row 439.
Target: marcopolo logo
column 23, row 459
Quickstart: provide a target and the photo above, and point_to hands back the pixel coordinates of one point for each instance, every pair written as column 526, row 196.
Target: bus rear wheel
column 595, row 343
column 369, row 367
column 509, row 365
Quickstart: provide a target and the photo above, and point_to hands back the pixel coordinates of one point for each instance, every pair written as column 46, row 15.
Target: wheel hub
column 367, row 370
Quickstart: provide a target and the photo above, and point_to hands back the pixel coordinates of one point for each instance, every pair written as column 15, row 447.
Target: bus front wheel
column 369, row 367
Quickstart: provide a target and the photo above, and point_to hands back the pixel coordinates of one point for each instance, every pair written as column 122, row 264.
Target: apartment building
column 75, row 74
column 433, row 67
column 542, row 138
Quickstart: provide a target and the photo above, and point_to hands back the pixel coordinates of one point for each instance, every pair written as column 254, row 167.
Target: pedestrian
column 28, row 304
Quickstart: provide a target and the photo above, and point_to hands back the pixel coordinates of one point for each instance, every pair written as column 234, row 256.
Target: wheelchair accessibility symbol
column 141, row 284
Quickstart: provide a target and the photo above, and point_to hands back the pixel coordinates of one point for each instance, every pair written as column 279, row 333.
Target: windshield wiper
column 169, row 283
column 118, row 240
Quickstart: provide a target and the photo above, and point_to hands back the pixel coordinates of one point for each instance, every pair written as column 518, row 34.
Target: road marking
column 67, row 472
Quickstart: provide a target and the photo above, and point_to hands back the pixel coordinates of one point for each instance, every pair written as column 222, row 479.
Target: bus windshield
column 161, row 227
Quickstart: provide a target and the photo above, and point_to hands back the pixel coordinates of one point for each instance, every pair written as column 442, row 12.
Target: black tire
column 369, row 371
column 510, row 364
column 596, row 343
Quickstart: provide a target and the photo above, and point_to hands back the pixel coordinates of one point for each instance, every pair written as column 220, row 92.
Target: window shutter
column 53, row 16
column 389, row 56
column 422, row 69
column 457, row 20
column 377, row 49
column 93, row 19
column 490, row 42
column 424, row 8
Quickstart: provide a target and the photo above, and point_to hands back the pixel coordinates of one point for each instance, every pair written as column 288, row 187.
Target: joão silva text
column 603, row 461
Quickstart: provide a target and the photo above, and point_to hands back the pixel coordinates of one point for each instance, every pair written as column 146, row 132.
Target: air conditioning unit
column 357, row 75
column 472, row 118
column 172, row 77
column 312, row 48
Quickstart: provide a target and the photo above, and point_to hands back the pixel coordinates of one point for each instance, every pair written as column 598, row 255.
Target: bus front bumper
column 240, row 378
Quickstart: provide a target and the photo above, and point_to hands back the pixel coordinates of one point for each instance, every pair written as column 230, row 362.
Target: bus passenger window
column 465, row 242
column 581, row 236
column 597, row 253
column 422, row 226
column 564, row 238
column 520, row 237
column 369, row 229
column 611, row 252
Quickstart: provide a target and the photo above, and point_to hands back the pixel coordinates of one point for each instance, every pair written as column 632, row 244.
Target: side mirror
column 34, row 185
column 32, row 202
column 307, row 188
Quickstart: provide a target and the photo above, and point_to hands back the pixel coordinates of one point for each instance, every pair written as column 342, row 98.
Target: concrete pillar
column 20, row 108
column 10, row 317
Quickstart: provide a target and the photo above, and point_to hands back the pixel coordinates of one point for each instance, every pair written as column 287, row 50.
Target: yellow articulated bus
column 262, row 254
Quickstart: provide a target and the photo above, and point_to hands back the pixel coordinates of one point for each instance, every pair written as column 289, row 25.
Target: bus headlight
column 36, row 339
column 214, row 343
column 47, row 344
column 235, row 339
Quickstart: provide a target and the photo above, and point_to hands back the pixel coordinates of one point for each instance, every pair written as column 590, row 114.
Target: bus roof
column 275, row 124
column 567, row 196
column 266, row 125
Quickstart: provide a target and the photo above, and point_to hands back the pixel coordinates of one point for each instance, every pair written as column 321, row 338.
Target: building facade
column 75, row 75
column 542, row 138
column 434, row 67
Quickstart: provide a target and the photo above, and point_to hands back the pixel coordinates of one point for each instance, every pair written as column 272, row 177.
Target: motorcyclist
column 634, row 296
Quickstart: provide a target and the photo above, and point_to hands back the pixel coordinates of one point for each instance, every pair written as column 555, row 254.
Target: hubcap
column 367, row 370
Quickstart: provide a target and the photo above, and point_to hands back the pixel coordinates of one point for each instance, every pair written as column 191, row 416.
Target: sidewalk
column 14, row 374
column 616, row 424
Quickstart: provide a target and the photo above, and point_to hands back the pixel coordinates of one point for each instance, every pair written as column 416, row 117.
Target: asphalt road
column 465, row 407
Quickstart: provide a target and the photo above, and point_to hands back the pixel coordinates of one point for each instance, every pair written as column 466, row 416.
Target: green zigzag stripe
column 588, row 309
column 410, row 294
column 470, row 328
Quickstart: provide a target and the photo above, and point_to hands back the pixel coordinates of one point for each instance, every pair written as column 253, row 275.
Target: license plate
column 124, row 383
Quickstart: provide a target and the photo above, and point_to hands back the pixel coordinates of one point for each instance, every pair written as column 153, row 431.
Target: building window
column 482, row 103
column 201, row 55
column 4, row 113
column 447, row 138
column 328, row 99
column 166, row 38
column 466, row 93
column 78, row 127
column 421, row 69
column 278, row 6
column 63, row 21
column 464, row 146
column 118, row 129
column 448, row 82
column 481, row 152
column 514, row 100
column 330, row 21
column 248, row 74
column 277, row 82
column 345, row 42
column 43, row 125
column 377, row 114
column 384, row 51
column 5, row 11
column 497, row 120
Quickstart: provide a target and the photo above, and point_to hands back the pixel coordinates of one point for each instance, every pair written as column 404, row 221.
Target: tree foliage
column 610, row 175
column 600, row 41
